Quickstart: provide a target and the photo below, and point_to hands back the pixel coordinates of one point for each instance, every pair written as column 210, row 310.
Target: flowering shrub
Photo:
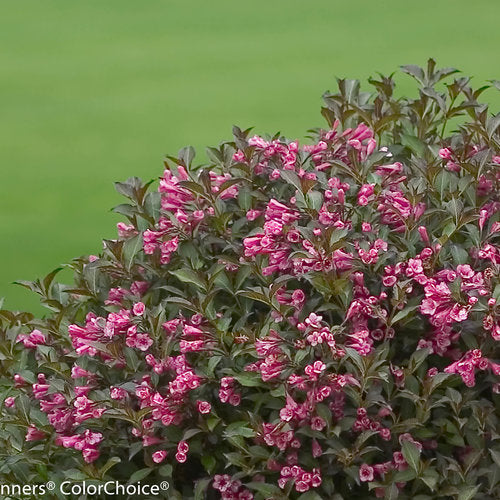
column 289, row 321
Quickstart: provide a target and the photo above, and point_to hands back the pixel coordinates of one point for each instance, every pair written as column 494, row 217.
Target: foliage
column 317, row 321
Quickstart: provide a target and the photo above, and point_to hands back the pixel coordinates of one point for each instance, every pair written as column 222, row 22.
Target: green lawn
column 96, row 91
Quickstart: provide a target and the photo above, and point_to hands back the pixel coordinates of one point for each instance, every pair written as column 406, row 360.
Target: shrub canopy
column 291, row 320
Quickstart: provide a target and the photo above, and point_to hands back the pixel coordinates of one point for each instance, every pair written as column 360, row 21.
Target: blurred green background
column 96, row 91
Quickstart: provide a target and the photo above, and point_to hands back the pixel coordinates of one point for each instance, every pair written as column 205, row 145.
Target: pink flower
column 90, row 455
column 183, row 447
column 365, row 194
column 465, row 271
column 235, row 399
column 423, row 234
column 313, row 320
column 316, row 449
column 143, row 341
column 19, row 381
column 126, row 230
column 138, row 309
column 118, row 393
column 139, row 288
column 445, row 153
column 36, row 337
column 366, row 473
column 203, row 407
column 9, row 402
column 385, row 434
column 317, row 424
column 78, row 372
column 34, row 434
column 180, row 457
column 159, row 456
column 253, row 214
column 452, row 166
column 315, row 369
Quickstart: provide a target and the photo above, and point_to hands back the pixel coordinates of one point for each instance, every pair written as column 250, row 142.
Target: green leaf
column 212, row 364
column 447, row 231
column 460, row 255
column 310, row 495
column 131, row 248
column 189, row 276
column 34, row 286
column 152, row 204
column 337, row 235
column 255, row 296
column 110, row 463
column 411, row 454
column 186, row 155
column 189, row 433
column 405, row 475
column 91, row 276
column 245, row 198
column 349, row 89
column 134, row 449
column 248, row 379
column 291, row 178
column 47, row 281
column 437, row 380
column 194, row 187
column 442, row 182
column 468, row 492
column 392, row 492
column 314, row 200
column 165, row 470
column 404, row 313
column 455, row 207
column 200, row 488
column 414, row 144
column 125, row 209
column 417, row 358
column 492, row 125
column 209, row 462
column 266, row 489
column 355, row 357
column 140, row 474
column 430, row 478
column 416, row 72
column 239, row 429
column 496, row 456
column 212, row 423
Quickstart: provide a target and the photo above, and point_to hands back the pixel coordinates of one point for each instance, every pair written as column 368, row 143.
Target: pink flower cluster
column 467, row 365
column 230, row 489
column 365, row 423
column 66, row 416
column 30, row 341
column 303, row 480
column 272, row 360
column 333, row 145
column 366, row 309
column 116, row 296
column 86, row 442
column 228, row 392
column 317, row 333
column 273, row 155
column 99, row 330
column 274, row 241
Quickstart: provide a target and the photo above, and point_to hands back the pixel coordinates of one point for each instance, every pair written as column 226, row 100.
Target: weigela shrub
column 309, row 321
